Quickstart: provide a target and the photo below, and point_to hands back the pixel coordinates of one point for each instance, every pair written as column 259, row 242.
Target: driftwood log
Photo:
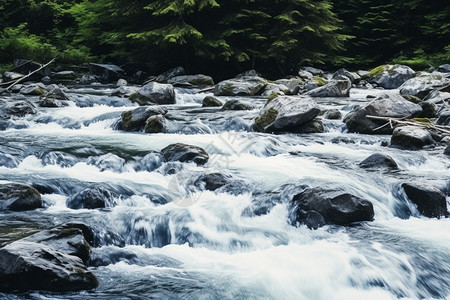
column 419, row 123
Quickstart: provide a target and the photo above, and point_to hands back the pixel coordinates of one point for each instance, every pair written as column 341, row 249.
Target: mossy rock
column 413, row 99
column 265, row 120
column 319, row 81
column 377, row 71
column 210, row 101
column 139, row 99
column 271, row 97
column 155, row 124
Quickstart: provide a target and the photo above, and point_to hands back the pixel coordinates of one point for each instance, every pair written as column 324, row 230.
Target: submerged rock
column 378, row 160
column 135, row 120
column 154, row 93
column 243, row 86
column 430, row 201
column 411, row 137
column 91, row 198
column 391, row 76
column 210, row 101
column 386, row 105
column 39, row 267
column 19, row 197
column 336, row 207
column 286, row 113
column 185, row 153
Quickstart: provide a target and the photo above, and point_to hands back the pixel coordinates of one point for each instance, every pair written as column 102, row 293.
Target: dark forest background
column 221, row 37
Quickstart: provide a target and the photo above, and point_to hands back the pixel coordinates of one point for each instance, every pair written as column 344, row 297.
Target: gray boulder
column 243, row 86
column 377, row 161
column 185, row 153
column 210, row 101
column 64, row 75
column 212, row 181
column 391, row 76
column 154, row 93
column 286, row 113
column 353, row 77
column 35, row 89
column 423, row 84
column 134, row 120
column 411, row 137
column 444, row 118
column 305, row 75
column 332, row 114
column 293, row 84
column 235, row 105
column 447, row 150
column 106, row 73
column 430, row 201
column 437, row 97
column 19, row 197
column 88, row 79
column 312, row 70
column 16, row 108
column 40, row 267
column 273, row 88
column 336, row 207
column 445, row 68
column 155, row 124
column 334, row 88
column 385, row 105
column 191, row 80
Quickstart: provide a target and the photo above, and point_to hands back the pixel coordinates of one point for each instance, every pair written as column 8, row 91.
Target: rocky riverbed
column 317, row 186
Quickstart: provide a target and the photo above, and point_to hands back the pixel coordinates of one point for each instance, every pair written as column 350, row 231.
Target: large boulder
column 334, row 88
column 107, row 73
column 40, row 267
column 243, row 86
column 73, row 239
column 411, row 137
column 135, row 120
column 430, row 201
column 286, row 113
column 19, row 197
column 91, row 198
column 385, row 105
column 391, row 76
column 185, row 153
column 154, row 93
column 437, row 97
column 191, row 80
column 377, row 161
column 336, row 207
column 423, row 84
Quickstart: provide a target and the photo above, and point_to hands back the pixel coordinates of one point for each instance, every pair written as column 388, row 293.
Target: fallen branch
column 411, row 122
column 208, row 89
column 26, row 76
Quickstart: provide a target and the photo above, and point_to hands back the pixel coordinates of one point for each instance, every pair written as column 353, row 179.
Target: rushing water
column 163, row 238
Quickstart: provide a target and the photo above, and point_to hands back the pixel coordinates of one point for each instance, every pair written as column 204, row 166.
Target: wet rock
column 334, row 88
column 40, row 267
column 313, row 126
column 212, row 181
column 121, row 82
column 428, row 110
column 11, row 76
column 33, row 90
column 437, row 97
column 24, row 66
column 332, row 114
column 235, row 105
column 411, row 137
column 155, row 124
column 191, row 80
column 353, row 77
column 164, row 77
column 336, row 207
column 391, row 76
column 311, row 218
column 62, row 159
column 430, row 201
column 106, row 73
column 412, row 98
column 107, row 162
column 154, row 93
column 286, row 113
column 210, row 101
column 46, row 80
column 16, row 108
column 134, row 120
column 444, row 118
column 447, row 150
column 244, row 86
column 91, row 198
column 50, row 103
column 378, row 160
column 19, row 197
column 64, row 75
column 149, row 162
column 185, row 153
column 386, row 105
column 88, row 79
column 423, row 84
column 69, row 239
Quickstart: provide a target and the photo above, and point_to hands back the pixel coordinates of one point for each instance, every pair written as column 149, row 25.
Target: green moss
column 126, row 120
column 210, row 101
column 271, row 97
column 319, row 81
column 377, row 71
column 267, row 118
column 422, row 120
